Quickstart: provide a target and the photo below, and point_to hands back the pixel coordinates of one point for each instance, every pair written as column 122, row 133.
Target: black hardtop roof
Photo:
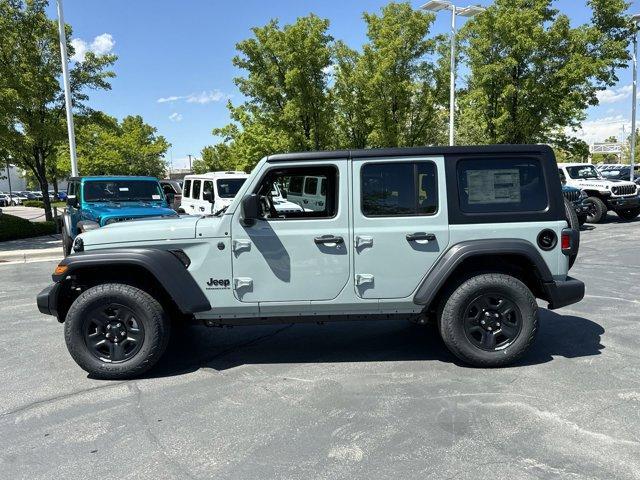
column 412, row 151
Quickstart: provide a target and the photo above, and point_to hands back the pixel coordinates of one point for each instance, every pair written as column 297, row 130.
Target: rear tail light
column 566, row 241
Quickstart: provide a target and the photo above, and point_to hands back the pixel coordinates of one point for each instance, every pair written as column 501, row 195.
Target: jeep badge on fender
column 466, row 238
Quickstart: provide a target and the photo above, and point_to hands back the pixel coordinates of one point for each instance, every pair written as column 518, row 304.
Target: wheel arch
column 159, row 272
column 463, row 260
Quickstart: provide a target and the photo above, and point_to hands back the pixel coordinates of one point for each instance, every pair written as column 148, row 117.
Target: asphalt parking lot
column 360, row 400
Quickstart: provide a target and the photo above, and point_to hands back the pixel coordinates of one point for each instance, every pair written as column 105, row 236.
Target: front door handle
column 328, row 239
column 412, row 237
column 363, row 241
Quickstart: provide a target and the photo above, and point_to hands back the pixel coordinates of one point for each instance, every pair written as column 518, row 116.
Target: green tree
column 401, row 78
column 108, row 147
column 32, row 121
column 532, row 74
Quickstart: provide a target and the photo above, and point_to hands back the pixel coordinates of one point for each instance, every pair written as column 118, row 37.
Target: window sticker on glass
column 155, row 197
column 494, row 186
column 123, row 189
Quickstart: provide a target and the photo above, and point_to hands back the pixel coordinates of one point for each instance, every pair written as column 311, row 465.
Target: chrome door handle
column 412, row 237
column 242, row 282
column 363, row 241
column 328, row 239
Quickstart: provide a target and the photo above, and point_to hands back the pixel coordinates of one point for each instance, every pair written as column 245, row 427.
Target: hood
column 152, row 230
column 126, row 209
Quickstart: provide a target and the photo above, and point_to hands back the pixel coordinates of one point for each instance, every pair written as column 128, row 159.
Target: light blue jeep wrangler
column 468, row 237
column 94, row 202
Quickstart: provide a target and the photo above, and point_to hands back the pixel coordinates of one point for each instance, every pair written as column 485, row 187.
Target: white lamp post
column 634, row 95
column 468, row 11
column 67, row 90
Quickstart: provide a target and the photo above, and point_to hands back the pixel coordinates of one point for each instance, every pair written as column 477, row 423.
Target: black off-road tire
column 452, row 319
column 147, row 311
column 628, row 214
column 67, row 242
column 582, row 219
column 597, row 211
column 574, row 224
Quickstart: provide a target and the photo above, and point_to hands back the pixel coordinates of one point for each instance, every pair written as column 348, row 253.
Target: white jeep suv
column 621, row 196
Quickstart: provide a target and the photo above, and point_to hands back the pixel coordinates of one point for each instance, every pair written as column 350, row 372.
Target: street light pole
column 634, row 94
column 67, row 90
column 436, row 6
column 452, row 76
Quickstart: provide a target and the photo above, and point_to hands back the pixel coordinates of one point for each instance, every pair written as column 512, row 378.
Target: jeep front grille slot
column 623, row 190
column 572, row 196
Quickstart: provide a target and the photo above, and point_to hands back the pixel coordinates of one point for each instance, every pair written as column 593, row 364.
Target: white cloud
column 175, row 117
column 202, row 98
column 101, row 45
column 597, row 130
column 613, row 95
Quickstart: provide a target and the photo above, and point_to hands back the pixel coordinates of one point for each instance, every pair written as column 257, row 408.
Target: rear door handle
column 412, row 237
column 328, row 239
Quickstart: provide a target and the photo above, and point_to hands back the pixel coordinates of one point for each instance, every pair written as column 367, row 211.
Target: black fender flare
column 168, row 270
column 456, row 254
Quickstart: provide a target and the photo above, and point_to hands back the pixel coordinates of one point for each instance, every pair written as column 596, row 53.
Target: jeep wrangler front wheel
column 490, row 320
column 597, row 210
column 116, row 331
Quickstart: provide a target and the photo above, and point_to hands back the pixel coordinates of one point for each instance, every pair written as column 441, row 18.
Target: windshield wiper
column 221, row 211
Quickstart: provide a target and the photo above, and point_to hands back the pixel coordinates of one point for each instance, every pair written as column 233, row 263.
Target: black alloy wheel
column 492, row 321
column 112, row 333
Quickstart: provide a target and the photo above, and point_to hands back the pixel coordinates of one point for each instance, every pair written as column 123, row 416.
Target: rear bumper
column 563, row 293
column 47, row 300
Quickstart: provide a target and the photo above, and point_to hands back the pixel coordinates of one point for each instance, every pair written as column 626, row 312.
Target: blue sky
column 174, row 66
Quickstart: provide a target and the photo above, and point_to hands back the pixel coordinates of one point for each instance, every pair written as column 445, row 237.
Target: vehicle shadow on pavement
column 198, row 347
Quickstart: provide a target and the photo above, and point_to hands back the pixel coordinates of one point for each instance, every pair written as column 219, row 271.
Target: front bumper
column 563, row 293
column 47, row 300
column 623, row 202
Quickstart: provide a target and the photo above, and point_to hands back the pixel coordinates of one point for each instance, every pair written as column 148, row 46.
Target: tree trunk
column 41, row 177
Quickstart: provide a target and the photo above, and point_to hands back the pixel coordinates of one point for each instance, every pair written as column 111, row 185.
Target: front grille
column 572, row 195
column 624, row 190
column 118, row 219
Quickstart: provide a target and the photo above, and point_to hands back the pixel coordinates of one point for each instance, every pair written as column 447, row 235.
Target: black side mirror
column 250, row 209
column 208, row 196
column 72, row 201
column 284, row 193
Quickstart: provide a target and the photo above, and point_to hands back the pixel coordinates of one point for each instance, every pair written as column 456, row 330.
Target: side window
column 187, row 189
column 195, row 194
column 71, row 189
column 501, row 185
column 301, row 184
column 295, row 185
column 208, row 187
column 310, row 185
column 398, row 189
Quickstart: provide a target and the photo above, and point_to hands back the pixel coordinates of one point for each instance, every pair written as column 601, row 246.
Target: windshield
column 583, row 171
column 228, row 187
column 122, row 191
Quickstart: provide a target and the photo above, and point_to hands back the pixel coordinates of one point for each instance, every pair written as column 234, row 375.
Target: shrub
column 13, row 228
column 33, row 203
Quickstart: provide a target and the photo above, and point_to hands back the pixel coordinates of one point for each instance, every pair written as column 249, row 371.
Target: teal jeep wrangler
column 464, row 237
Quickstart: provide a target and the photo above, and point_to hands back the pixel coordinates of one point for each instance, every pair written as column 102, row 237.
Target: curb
column 24, row 256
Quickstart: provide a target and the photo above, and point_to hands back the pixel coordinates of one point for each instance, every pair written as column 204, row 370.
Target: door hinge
column 238, row 245
column 363, row 241
column 362, row 278
column 242, row 282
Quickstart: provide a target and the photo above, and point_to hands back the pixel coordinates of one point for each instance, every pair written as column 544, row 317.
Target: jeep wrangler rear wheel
column 116, row 331
column 597, row 210
column 490, row 320
column 628, row 214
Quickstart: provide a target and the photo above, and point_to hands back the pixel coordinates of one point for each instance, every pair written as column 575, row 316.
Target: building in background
column 18, row 181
